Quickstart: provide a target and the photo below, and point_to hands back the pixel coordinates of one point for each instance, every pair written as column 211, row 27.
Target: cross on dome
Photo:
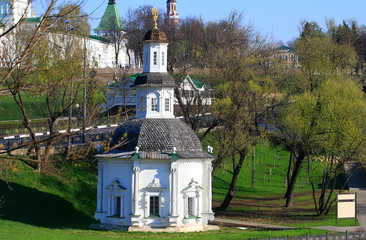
column 155, row 13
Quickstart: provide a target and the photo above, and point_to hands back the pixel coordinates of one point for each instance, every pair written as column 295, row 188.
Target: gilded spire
column 155, row 14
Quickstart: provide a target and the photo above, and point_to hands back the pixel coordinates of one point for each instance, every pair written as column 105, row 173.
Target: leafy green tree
column 245, row 79
column 327, row 123
column 320, row 59
column 311, row 30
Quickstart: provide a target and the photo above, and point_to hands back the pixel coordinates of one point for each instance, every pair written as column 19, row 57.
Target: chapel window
column 117, row 204
column 163, row 58
column 154, row 104
column 154, row 205
column 190, row 207
column 167, row 104
column 155, row 58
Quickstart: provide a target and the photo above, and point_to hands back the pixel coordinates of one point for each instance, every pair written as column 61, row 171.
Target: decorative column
column 100, row 187
column 186, row 206
column 135, row 181
column 198, row 196
column 173, row 218
column 209, row 190
column 173, row 172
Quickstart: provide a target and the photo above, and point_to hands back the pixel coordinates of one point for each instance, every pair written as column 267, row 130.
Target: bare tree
column 137, row 22
column 20, row 45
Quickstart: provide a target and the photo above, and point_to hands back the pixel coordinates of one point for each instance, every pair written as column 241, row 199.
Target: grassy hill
column 59, row 203
column 265, row 203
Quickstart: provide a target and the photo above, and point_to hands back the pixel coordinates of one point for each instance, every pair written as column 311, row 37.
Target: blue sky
column 277, row 18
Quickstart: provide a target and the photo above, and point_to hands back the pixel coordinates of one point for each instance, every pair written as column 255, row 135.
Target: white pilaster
column 173, row 172
column 135, row 181
column 100, row 187
column 198, row 214
column 209, row 197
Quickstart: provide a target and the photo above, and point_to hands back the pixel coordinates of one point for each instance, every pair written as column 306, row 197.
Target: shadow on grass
column 341, row 178
column 30, row 206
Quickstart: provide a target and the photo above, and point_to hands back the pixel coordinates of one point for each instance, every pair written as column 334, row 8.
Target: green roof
column 197, row 83
column 96, row 37
column 283, row 47
column 133, row 77
column 33, row 20
column 111, row 19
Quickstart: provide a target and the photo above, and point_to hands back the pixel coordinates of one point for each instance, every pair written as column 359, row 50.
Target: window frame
column 162, row 58
column 154, row 104
column 167, row 105
column 155, row 59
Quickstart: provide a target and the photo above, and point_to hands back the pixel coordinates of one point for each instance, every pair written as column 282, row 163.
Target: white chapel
column 155, row 175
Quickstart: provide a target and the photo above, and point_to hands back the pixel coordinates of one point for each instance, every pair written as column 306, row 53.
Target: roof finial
column 155, row 14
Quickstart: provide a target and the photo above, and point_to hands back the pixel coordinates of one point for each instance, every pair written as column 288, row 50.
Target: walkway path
column 357, row 183
column 239, row 223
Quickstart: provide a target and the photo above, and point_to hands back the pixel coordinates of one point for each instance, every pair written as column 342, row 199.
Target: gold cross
column 155, row 14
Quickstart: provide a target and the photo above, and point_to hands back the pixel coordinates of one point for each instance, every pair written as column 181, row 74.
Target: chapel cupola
column 155, row 86
column 155, row 48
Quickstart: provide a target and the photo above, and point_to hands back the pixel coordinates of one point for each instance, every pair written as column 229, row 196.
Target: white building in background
column 122, row 94
column 156, row 174
column 11, row 11
column 100, row 52
column 192, row 89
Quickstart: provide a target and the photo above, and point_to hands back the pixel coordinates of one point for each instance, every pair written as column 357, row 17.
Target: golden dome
column 155, row 35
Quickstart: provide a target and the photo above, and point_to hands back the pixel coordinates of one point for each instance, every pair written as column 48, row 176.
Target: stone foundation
column 191, row 228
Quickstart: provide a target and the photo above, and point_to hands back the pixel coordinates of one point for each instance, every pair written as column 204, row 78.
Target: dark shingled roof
column 154, row 79
column 155, row 139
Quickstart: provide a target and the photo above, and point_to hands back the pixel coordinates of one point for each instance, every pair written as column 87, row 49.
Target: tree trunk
column 231, row 193
column 26, row 122
column 295, row 173
column 289, row 170
column 49, row 146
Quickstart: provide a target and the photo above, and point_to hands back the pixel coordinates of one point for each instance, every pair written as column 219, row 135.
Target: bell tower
column 172, row 15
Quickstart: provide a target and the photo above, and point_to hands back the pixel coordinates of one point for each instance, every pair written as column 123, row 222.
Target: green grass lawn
column 265, row 203
column 60, row 202
column 36, row 107
column 16, row 230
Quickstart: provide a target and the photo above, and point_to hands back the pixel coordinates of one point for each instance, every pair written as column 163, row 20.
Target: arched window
column 115, row 205
column 154, row 199
column 192, row 201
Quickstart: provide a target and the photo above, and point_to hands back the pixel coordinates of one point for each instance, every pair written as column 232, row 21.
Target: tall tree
column 327, row 123
column 137, row 22
column 320, row 59
column 23, row 44
column 244, row 77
